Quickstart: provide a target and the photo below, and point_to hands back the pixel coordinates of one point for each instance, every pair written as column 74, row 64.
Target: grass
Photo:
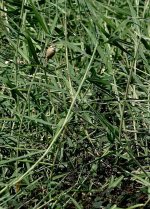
column 75, row 131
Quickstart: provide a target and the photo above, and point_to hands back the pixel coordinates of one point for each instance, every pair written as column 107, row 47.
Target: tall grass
column 75, row 130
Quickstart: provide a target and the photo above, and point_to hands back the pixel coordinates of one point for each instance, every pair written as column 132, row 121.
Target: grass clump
column 74, row 129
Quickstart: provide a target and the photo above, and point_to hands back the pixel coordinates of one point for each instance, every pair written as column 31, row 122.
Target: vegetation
column 75, row 129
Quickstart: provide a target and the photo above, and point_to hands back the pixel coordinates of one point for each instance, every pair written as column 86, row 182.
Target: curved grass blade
column 39, row 18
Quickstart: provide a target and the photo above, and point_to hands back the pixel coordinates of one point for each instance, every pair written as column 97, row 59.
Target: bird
column 50, row 52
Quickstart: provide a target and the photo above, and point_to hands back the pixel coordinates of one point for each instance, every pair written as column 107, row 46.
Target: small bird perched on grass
column 50, row 52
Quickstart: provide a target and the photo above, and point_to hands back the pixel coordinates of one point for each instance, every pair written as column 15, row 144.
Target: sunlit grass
column 75, row 129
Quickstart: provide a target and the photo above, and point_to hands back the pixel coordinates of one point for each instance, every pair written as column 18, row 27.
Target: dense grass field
column 75, row 128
